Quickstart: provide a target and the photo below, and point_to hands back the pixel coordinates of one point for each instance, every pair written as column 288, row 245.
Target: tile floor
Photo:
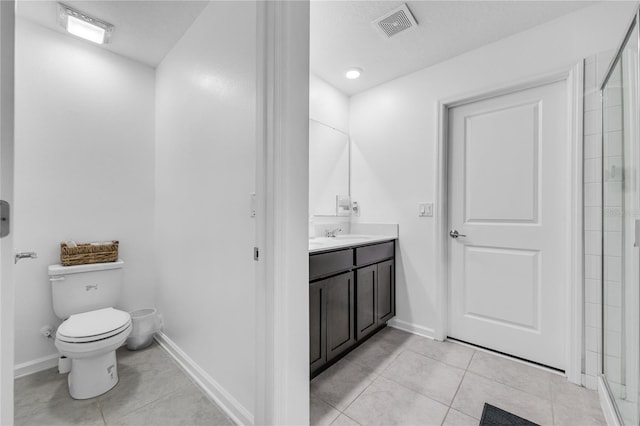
column 394, row 378
column 152, row 390
column 398, row 378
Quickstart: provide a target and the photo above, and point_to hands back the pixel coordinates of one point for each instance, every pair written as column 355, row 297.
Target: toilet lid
column 93, row 324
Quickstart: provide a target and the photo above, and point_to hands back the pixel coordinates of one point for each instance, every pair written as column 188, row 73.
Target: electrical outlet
column 425, row 209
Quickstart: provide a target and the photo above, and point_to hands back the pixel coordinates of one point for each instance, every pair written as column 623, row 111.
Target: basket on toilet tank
column 84, row 254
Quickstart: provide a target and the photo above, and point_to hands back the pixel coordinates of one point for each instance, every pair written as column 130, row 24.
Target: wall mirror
column 328, row 168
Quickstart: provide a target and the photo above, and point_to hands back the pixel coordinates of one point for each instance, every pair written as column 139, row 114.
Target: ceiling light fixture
column 353, row 73
column 82, row 25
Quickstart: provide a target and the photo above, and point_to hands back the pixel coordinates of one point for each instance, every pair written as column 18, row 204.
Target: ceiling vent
column 398, row 20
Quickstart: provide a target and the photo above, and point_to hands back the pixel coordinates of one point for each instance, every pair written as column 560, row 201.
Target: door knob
column 455, row 234
column 25, row 255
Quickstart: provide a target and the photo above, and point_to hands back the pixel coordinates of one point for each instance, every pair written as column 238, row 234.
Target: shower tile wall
column 595, row 68
column 613, row 181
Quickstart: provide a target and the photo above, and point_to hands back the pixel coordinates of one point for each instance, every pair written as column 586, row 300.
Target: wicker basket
column 86, row 253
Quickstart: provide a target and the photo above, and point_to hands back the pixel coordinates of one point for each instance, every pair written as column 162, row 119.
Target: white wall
column 328, row 104
column 83, row 168
column 394, row 133
column 205, row 170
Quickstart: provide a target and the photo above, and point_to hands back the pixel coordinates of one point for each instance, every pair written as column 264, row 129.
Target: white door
column 508, row 192
column 7, row 20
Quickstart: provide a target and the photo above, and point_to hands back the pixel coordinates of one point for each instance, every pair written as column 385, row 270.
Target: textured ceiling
column 144, row 30
column 342, row 35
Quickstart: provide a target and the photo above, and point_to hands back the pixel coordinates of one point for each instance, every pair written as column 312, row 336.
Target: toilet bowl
column 92, row 330
column 90, row 340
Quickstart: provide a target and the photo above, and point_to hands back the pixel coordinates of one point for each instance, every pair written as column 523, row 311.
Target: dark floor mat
column 494, row 416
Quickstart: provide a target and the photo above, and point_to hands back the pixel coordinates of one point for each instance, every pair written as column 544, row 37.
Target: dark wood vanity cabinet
column 340, row 314
column 367, row 299
column 376, row 297
column 317, row 327
column 386, row 291
column 331, row 318
column 351, row 296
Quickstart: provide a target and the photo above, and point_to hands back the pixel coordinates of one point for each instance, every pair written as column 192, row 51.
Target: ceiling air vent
column 395, row 22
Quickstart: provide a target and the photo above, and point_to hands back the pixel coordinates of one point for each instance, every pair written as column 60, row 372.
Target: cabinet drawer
column 329, row 263
column 374, row 253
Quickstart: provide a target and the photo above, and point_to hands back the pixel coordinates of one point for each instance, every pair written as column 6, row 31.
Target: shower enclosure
column 621, row 230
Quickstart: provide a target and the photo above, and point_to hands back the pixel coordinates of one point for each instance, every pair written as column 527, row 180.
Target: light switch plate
column 425, row 209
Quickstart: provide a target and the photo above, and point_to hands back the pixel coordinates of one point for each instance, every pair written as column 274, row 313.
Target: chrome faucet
column 332, row 233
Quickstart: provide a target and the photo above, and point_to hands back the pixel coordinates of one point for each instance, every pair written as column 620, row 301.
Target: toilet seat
column 93, row 326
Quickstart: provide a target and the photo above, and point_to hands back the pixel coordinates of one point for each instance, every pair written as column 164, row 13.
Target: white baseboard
column 231, row 406
column 609, row 410
column 412, row 328
column 39, row 364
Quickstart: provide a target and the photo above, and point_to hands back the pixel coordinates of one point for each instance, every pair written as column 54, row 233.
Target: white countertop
column 319, row 244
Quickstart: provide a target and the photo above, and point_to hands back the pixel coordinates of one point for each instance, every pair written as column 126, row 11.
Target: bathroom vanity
column 351, row 294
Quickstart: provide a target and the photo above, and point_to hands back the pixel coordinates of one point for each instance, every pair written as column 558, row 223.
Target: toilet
column 92, row 330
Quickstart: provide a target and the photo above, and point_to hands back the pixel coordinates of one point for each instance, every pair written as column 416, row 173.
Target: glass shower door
column 621, row 218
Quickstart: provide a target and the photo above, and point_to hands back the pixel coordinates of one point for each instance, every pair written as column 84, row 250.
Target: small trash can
column 144, row 326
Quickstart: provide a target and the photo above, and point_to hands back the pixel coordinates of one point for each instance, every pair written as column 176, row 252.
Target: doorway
column 501, row 290
column 507, row 251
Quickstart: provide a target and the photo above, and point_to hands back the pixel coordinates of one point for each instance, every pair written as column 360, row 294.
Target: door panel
column 340, row 314
column 386, row 291
column 517, row 282
column 508, row 186
column 510, row 192
column 366, row 294
column 317, row 329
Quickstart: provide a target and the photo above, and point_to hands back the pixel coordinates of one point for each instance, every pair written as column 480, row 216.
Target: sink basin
column 351, row 237
column 316, row 244
column 337, row 241
column 340, row 241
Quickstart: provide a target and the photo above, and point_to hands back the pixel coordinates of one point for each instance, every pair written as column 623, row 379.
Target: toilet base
column 90, row 377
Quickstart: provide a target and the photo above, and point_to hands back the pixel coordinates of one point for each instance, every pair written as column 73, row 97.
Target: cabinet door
column 340, row 314
column 366, row 295
column 386, row 292
column 317, row 327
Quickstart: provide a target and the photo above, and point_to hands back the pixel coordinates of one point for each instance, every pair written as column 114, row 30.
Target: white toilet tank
column 84, row 288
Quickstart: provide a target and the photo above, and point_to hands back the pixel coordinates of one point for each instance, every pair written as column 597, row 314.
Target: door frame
column 7, row 37
column 282, row 202
column 574, row 206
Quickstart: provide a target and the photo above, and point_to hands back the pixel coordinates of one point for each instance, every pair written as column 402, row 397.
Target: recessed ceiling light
column 82, row 25
column 353, row 73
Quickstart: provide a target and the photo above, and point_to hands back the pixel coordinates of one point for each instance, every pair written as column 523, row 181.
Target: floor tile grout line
column 473, row 355
column 420, row 393
column 404, row 348
column 100, row 404
column 435, row 359
column 491, row 379
column 550, row 399
column 347, row 361
column 408, row 388
column 358, row 396
column 104, row 420
column 456, row 393
column 123, row 415
column 521, row 361
column 346, row 415
column 377, row 375
column 352, row 361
